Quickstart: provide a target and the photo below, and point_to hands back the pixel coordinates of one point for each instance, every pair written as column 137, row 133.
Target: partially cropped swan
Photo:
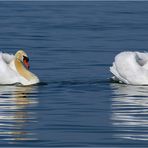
column 131, row 68
column 15, row 69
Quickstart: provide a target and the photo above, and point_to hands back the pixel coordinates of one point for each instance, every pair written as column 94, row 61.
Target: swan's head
column 22, row 57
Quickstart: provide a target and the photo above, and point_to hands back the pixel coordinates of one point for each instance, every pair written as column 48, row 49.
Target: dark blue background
column 71, row 46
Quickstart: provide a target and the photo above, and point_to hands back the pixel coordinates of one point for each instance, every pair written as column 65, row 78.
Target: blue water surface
column 71, row 46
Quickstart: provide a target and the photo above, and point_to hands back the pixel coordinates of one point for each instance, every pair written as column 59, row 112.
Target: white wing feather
column 7, row 75
column 7, row 57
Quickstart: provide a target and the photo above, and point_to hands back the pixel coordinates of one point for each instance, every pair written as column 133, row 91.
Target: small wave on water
column 77, row 82
column 42, row 83
column 61, row 83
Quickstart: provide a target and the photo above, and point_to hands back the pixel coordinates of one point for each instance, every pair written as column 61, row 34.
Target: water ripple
column 130, row 111
column 15, row 114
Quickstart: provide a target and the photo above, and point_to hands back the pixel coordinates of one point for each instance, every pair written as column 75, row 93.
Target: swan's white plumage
column 131, row 68
column 7, row 57
column 9, row 73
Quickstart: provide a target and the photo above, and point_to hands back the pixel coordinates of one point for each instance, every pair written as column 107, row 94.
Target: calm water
column 71, row 46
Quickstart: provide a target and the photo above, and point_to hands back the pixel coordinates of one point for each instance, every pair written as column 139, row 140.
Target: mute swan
column 15, row 69
column 130, row 68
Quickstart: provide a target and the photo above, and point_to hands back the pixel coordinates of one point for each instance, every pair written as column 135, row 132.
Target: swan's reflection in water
column 16, row 114
column 130, row 111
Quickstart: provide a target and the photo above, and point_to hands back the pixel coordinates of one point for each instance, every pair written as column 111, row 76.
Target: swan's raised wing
column 141, row 58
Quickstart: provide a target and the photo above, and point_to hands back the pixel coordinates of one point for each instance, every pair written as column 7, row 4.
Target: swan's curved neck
column 22, row 70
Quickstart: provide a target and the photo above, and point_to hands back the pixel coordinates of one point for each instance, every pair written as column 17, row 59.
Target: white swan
column 131, row 68
column 15, row 69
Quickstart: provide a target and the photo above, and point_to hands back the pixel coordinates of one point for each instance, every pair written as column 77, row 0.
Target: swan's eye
column 25, row 59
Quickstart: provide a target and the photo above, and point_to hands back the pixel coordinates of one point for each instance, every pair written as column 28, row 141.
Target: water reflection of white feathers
column 130, row 111
column 15, row 115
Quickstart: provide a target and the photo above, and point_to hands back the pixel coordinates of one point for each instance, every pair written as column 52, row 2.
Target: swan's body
column 131, row 68
column 13, row 70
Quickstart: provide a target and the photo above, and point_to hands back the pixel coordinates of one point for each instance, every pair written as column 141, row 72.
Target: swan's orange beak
column 26, row 62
